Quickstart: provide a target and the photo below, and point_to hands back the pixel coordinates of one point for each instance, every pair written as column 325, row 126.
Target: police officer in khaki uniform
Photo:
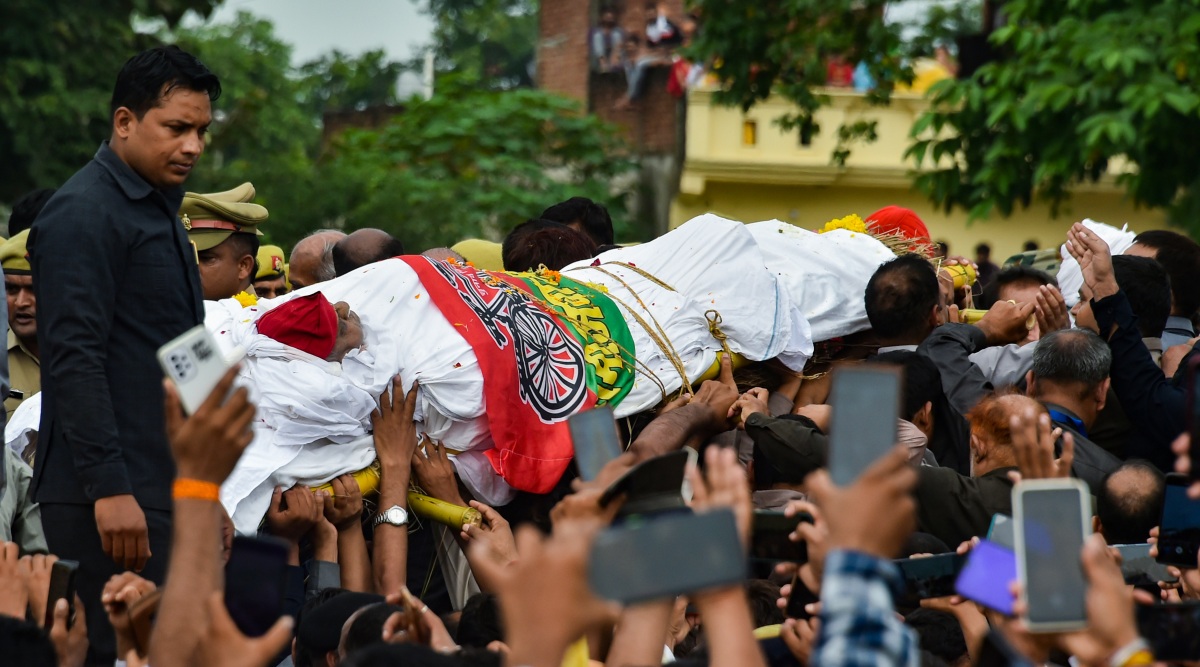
column 271, row 279
column 224, row 229
column 24, row 370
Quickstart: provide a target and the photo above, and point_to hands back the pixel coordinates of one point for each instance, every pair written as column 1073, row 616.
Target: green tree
column 472, row 162
column 1076, row 86
column 60, row 59
column 491, row 41
column 338, row 82
column 266, row 128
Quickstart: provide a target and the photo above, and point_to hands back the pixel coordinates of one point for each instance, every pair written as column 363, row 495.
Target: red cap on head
column 899, row 220
column 307, row 323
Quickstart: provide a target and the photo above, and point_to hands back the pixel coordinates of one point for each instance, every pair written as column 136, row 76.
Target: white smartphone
column 866, row 404
column 1051, row 518
column 195, row 365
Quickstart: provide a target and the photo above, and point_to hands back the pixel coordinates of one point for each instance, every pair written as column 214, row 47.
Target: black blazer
column 115, row 278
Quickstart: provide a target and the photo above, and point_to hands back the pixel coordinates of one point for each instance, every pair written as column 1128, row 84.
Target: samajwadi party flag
column 548, row 347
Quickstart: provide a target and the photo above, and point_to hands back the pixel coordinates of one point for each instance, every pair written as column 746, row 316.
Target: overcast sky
column 314, row 27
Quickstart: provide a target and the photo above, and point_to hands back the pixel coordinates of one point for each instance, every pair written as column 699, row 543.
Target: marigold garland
column 851, row 223
column 246, row 299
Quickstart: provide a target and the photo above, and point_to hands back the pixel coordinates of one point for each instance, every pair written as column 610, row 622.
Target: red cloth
column 532, row 447
column 307, row 323
column 899, row 220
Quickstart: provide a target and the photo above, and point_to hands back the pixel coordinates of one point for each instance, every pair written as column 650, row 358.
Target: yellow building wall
column 762, row 172
column 812, row 206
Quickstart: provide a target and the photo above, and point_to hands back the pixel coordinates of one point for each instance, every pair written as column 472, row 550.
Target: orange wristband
column 194, row 489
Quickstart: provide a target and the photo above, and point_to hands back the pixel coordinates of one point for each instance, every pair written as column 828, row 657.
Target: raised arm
column 395, row 443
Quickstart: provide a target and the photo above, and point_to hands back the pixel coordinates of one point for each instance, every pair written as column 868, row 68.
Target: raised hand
column 1095, row 260
column 875, row 514
column 1033, row 443
column 344, row 508
column 395, row 431
column 434, row 472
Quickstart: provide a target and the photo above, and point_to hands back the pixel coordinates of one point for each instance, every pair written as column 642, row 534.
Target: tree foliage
column 473, row 162
column 491, row 41
column 60, row 59
column 1078, row 85
column 763, row 48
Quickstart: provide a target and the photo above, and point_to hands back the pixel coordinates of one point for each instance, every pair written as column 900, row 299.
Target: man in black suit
column 116, row 278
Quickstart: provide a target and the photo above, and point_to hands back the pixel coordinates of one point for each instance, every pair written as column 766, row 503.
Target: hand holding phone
column 928, row 577
column 987, row 576
column 194, row 364
column 1179, row 528
column 62, row 587
column 1052, row 518
column 770, row 539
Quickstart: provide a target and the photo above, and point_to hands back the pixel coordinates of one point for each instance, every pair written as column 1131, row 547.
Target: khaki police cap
column 270, row 263
column 210, row 218
column 14, row 258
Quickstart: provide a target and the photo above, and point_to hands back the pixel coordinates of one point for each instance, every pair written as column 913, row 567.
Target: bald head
column 312, row 258
column 1130, row 502
column 363, row 247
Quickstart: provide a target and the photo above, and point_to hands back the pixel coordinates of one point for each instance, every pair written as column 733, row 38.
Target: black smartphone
column 769, row 540
column 652, row 486
column 594, row 435
column 659, row 557
column 256, row 583
column 1052, row 519
column 1179, row 529
column 866, row 406
column 1172, row 630
column 1140, row 568
column 62, row 587
column 996, row 651
column 928, row 577
column 800, row 598
column 1193, row 415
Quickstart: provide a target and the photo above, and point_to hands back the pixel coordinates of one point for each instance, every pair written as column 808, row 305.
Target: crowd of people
column 400, row 562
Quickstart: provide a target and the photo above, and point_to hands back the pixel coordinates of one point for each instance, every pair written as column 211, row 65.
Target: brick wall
column 563, row 67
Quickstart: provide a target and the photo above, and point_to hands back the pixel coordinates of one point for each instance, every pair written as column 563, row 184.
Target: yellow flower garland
column 246, row 299
column 851, row 222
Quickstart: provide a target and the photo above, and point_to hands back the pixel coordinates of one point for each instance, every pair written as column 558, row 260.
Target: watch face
column 396, row 515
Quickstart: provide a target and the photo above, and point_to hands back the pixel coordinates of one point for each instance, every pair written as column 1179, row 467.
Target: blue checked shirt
column 859, row 625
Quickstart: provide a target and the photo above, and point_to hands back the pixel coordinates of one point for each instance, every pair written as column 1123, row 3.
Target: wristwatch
column 394, row 515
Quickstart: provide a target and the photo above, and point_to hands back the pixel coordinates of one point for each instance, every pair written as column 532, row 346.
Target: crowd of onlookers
column 116, row 545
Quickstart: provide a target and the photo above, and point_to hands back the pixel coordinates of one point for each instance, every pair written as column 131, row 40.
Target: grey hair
column 325, row 270
column 1072, row 355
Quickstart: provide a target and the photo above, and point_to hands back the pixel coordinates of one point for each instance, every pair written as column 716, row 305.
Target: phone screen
column 62, row 586
column 658, row 557
column 1001, row 531
column 1172, row 630
column 928, row 577
column 769, row 540
column 1179, row 531
column 988, row 575
column 594, row 434
column 866, row 403
column 1140, row 568
column 1050, row 522
column 256, row 583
